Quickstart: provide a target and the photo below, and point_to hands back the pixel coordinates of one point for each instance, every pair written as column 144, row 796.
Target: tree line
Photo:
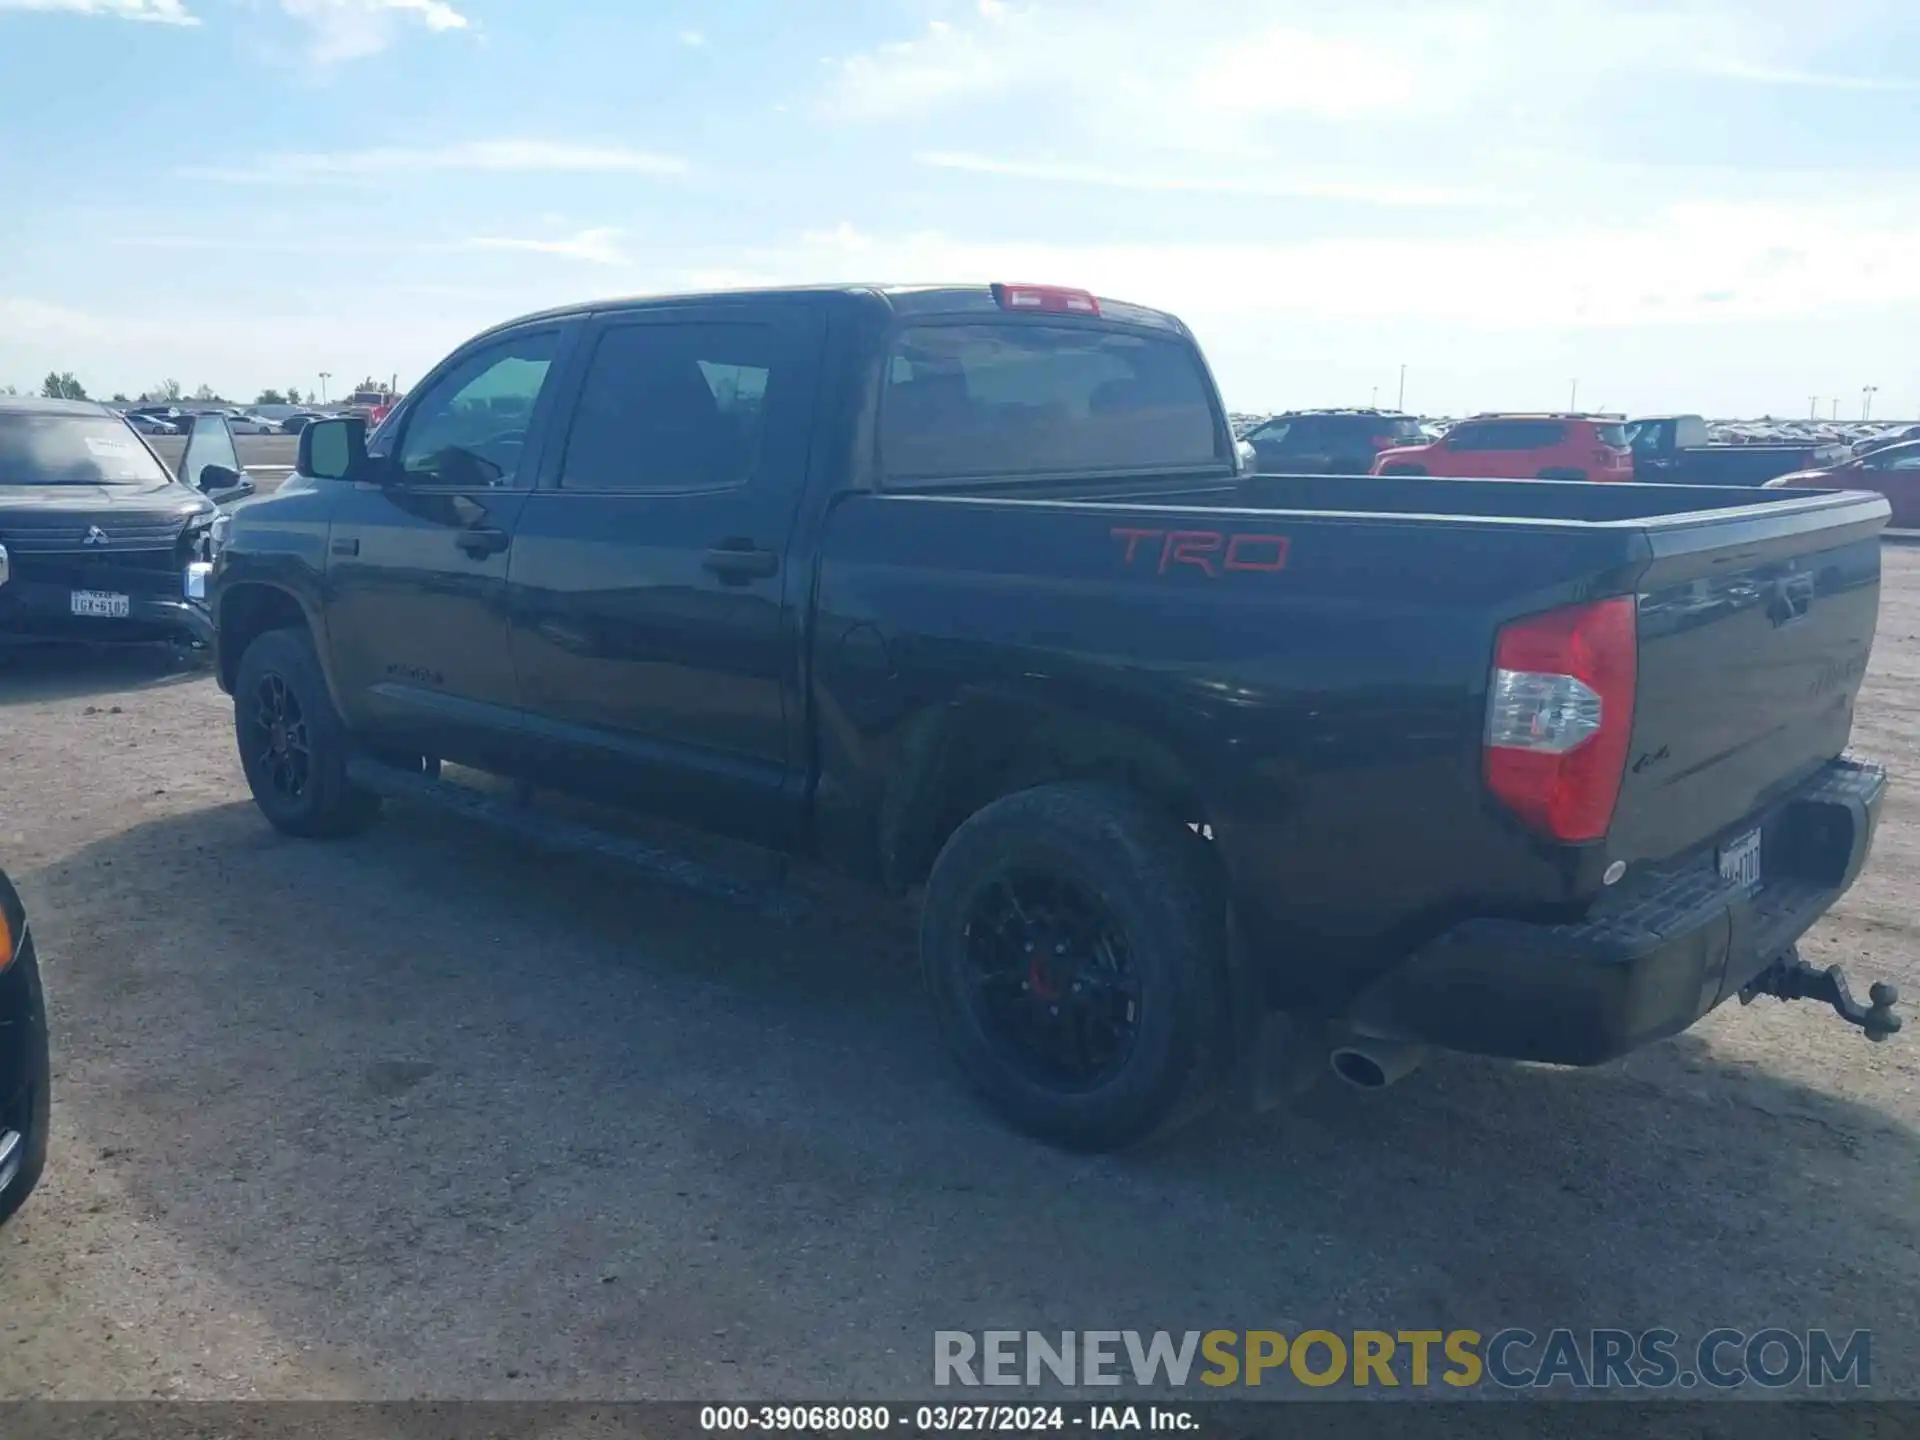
column 64, row 385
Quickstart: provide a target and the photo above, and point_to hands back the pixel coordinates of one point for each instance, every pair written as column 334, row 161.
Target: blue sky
column 1702, row 204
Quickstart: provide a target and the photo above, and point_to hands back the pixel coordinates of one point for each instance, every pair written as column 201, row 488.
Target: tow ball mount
column 1791, row 978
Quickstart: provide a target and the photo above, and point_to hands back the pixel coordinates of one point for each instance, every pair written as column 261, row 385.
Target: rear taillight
column 1559, row 715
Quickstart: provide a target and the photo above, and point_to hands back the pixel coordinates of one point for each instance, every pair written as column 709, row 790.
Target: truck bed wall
column 1324, row 695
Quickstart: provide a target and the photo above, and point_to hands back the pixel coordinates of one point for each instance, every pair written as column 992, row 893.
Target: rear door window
column 1007, row 400
column 1614, row 435
column 1406, row 431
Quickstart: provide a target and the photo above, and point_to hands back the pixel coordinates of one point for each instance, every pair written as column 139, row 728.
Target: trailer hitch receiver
column 1791, row 978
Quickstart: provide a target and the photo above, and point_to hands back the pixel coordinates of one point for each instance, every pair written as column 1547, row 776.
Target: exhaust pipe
column 1369, row 1064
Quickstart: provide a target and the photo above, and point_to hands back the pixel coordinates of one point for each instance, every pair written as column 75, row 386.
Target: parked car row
column 1523, row 446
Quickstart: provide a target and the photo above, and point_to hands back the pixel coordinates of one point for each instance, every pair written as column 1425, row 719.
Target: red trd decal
column 1257, row 552
column 1212, row 552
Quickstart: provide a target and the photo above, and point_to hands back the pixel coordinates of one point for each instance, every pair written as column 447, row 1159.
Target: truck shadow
column 500, row 1124
column 68, row 672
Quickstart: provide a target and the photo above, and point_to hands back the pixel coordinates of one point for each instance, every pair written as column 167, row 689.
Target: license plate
column 100, row 604
column 1740, row 861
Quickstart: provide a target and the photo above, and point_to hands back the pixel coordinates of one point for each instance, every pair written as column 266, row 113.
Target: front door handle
column 482, row 541
column 736, row 565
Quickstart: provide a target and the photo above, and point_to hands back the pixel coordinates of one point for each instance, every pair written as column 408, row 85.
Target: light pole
column 1866, row 400
column 1813, row 407
column 1573, row 400
column 1374, row 403
column 1401, row 403
column 1836, row 407
column 325, row 375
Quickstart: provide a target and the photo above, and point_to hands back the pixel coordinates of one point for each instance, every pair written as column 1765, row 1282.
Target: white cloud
column 1807, row 79
column 538, row 156
column 946, row 63
column 160, row 12
column 1685, row 265
column 1300, row 186
column 692, row 39
column 1148, row 74
column 350, row 29
column 596, row 246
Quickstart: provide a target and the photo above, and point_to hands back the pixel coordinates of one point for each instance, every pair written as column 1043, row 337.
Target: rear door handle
column 482, row 541
column 345, row 545
column 736, row 565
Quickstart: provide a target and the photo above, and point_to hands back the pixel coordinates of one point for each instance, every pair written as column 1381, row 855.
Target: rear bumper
column 1659, row 951
column 32, row 612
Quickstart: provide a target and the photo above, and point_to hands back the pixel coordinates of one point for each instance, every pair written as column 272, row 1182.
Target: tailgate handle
column 1790, row 599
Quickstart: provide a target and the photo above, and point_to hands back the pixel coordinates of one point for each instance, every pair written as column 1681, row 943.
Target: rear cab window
column 1614, row 435
column 985, row 399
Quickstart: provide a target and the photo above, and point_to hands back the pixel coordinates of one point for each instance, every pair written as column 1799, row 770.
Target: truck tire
column 293, row 743
column 1403, row 470
column 1073, row 942
column 1562, row 474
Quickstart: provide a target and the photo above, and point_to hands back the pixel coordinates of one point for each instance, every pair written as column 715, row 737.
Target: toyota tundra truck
column 1203, row 779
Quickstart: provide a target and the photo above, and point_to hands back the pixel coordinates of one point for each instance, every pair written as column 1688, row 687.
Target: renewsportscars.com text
column 1721, row 1359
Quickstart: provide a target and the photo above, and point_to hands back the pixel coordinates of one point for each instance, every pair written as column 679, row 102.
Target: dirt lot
column 430, row 1113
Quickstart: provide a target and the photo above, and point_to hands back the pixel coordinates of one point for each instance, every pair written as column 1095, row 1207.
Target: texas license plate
column 1740, row 861
column 100, row 604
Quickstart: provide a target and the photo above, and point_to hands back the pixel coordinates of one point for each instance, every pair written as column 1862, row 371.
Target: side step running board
column 556, row 833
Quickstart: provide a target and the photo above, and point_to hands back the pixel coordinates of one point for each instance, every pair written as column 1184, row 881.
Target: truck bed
column 1328, row 695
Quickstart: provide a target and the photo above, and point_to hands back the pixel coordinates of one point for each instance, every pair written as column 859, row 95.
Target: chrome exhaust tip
column 1375, row 1064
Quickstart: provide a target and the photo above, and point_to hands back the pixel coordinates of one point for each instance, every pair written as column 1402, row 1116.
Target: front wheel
column 293, row 743
column 1073, row 943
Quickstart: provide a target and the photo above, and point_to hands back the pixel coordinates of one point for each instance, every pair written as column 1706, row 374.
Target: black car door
column 653, row 615
column 211, row 462
column 417, row 557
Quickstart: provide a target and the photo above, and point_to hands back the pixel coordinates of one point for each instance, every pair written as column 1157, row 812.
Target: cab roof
column 904, row 300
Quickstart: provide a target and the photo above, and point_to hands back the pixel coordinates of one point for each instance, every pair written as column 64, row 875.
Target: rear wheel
column 293, row 743
column 1073, row 943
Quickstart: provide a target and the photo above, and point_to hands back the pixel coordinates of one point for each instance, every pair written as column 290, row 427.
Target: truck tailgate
column 1753, row 645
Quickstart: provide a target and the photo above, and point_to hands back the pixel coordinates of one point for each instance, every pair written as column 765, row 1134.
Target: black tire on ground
column 293, row 744
column 1403, row 470
column 1146, row 891
column 1562, row 474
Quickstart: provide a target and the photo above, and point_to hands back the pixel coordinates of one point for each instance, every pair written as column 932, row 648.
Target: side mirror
column 333, row 449
column 214, row 478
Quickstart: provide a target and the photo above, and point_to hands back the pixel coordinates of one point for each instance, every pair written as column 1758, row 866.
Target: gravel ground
column 433, row 1114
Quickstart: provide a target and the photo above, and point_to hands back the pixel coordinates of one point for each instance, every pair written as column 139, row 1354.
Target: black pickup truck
column 1203, row 772
column 1677, row 449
